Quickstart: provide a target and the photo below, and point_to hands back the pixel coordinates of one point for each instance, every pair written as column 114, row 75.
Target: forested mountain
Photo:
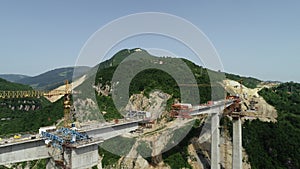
column 276, row 145
column 249, row 82
column 269, row 145
column 151, row 79
column 54, row 78
column 13, row 77
column 6, row 85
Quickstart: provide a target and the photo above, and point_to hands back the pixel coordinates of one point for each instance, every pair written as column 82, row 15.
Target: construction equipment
column 37, row 94
column 17, row 136
column 180, row 110
column 64, row 140
column 202, row 85
column 236, row 113
column 64, row 137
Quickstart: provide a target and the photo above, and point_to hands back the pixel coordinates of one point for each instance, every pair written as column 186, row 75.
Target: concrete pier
column 84, row 156
column 215, row 142
column 237, row 144
column 77, row 157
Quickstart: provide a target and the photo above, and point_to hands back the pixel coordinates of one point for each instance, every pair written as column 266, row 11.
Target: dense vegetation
column 249, row 82
column 6, row 85
column 106, row 104
column 41, row 113
column 276, row 145
column 16, row 121
column 153, row 78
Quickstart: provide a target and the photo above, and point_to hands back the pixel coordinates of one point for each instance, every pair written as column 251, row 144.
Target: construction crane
column 202, row 85
column 37, row 94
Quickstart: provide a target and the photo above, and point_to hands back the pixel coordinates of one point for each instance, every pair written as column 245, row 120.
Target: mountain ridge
column 53, row 78
column 13, row 77
column 145, row 82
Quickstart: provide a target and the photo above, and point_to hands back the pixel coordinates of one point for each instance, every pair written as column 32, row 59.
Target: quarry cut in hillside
column 264, row 111
column 155, row 104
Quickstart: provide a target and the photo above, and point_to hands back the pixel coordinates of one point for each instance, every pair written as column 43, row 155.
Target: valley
column 168, row 137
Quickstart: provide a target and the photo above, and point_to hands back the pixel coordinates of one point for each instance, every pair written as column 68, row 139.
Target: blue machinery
column 63, row 136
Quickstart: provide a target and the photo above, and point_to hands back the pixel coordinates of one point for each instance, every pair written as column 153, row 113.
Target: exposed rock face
column 141, row 163
column 101, row 89
column 265, row 112
column 155, row 104
column 87, row 110
column 194, row 160
column 138, row 102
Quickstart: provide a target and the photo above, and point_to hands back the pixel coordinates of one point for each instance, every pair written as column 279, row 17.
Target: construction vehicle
column 17, row 136
column 252, row 104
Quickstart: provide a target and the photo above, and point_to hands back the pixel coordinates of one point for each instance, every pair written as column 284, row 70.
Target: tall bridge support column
column 237, row 144
column 215, row 141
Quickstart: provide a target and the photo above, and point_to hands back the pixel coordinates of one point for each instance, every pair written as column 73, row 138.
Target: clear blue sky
column 253, row 38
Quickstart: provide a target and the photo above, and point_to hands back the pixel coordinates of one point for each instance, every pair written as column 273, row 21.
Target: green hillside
column 269, row 145
column 6, row 85
column 26, row 114
column 151, row 79
column 276, row 145
column 249, row 82
column 20, row 121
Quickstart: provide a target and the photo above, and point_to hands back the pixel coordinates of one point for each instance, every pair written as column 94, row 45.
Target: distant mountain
column 6, row 85
column 54, row 78
column 13, row 77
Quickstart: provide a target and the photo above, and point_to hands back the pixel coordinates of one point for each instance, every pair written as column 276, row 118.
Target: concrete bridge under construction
column 85, row 155
column 216, row 111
